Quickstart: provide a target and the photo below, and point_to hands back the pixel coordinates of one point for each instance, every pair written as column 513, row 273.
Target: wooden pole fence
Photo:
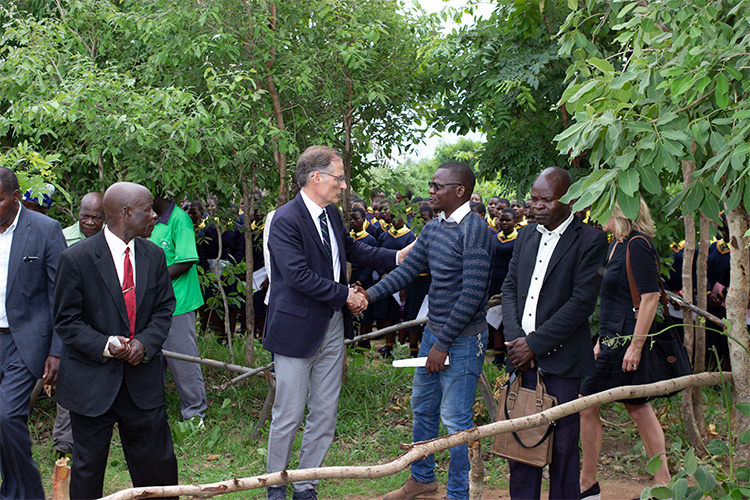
column 417, row 451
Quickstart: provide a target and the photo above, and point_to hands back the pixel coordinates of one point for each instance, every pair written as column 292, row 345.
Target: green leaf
column 743, row 408
column 691, row 462
column 602, row 65
column 735, row 197
column 629, row 204
column 628, row 181
column 721, row 94
column 743, row 473
column 661, row 492
column 717, row 447
column 665, row 118
column 745, row 437
column 710, row 207
column 649, row 179
column 677, row 135
column 741, row 114
column 705, row 479
column 694, row 198
column 679, row 489
column 573, row 4
column 654, row 463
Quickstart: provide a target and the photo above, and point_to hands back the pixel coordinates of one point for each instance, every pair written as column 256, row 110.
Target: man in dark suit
column 113, row 308
column 306, row 316
column 30, row 244
column 548, row 295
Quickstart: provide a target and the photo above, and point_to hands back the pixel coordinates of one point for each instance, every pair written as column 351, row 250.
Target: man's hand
column 435, row 360
column 356, row 302
column 519, row 354
column 404, row 252
column 51, row 365
column 714, row 300
column 137, row 352
column 121, row 351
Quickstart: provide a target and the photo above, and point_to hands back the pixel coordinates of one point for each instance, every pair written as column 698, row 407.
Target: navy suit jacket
column 89, row 307
column 562, row 339
column 304, row 294
column 36, row 247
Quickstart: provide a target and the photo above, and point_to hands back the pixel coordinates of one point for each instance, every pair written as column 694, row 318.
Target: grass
column 374, row 419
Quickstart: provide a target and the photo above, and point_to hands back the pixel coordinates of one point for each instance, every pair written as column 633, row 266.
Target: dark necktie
column 323, row 219
column 128, row 292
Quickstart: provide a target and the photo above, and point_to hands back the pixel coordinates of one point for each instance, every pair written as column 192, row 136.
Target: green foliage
column 502, row 75
column 671, row 88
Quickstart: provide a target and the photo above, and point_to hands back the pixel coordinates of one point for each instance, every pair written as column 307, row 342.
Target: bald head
column 548, row 188
column 91, row 214
column 128, row 210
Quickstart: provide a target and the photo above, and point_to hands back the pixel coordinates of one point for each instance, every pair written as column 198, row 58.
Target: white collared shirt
column 6, row 242
column 458, row 214
column 315, row 211
column 547, row 245
column 117, row 249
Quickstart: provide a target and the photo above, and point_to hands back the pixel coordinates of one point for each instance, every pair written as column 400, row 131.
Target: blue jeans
column 450, row 395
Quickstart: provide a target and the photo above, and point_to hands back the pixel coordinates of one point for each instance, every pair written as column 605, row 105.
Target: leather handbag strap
column 541, row 391
column 635, row 295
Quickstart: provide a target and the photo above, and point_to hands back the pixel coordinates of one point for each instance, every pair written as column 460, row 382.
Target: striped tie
column 323, row 219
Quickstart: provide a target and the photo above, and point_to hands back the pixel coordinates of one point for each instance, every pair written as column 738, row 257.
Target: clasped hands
column 131, row 350
column 358, row 299
column 520, row 355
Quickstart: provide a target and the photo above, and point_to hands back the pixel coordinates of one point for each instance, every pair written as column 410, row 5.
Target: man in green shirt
column 175, row 235
column 90, row 222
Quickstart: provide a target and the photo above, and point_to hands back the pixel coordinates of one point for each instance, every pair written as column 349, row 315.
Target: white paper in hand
column 415, row 362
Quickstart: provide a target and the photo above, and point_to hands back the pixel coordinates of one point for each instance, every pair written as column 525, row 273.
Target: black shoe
column 305, row 495
column 278, row 493
column 593, row 493
column 386, row 351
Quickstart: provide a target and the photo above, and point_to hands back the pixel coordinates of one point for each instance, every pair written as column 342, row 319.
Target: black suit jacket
column 562, row 339
column 304, row 294
column 89, row 308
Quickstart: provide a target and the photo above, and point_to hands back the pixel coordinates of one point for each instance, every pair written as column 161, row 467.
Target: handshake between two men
column 358, row 298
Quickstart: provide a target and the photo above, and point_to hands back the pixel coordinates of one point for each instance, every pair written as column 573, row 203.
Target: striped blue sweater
column 459, row 257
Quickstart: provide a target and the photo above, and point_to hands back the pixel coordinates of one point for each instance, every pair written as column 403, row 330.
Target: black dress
column 616, row 312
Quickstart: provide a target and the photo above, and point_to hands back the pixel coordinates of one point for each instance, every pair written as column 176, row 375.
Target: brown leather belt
column 4, row 330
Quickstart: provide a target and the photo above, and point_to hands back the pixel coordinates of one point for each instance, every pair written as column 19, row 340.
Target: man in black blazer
column 548, row 295
column 306, row 316
column 30, row 244
column 119, row 359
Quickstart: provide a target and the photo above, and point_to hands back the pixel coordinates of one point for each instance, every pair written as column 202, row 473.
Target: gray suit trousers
column 317, row 382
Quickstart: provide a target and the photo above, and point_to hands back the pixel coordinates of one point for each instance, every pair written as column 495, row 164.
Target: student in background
column 362, row 275
column 504, row 244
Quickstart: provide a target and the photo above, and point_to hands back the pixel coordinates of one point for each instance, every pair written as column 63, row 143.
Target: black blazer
column 304, row 294
column 562, row 339
column 89, row 308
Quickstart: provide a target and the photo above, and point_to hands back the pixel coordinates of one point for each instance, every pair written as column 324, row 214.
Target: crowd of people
column 130, row 279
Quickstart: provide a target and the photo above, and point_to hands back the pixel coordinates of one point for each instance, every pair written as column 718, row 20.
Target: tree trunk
column 249, row 197
column 701, row 275
column 736, row 303
column 224, row 301
column 687, row 403
column 346, row 195
column 476, row 474
column 279, row 156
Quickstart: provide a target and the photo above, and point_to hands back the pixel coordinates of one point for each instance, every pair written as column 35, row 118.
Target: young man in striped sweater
column 458, row 250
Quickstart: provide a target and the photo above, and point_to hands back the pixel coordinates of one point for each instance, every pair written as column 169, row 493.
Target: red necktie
column 128, row 292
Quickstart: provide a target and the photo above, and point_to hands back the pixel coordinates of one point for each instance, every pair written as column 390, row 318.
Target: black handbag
column 663, row 357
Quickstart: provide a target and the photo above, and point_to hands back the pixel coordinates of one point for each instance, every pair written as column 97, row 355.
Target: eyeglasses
column 437, row 186
column 340, row 178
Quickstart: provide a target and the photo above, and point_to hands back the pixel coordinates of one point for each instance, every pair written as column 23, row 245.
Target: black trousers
column 146, row 443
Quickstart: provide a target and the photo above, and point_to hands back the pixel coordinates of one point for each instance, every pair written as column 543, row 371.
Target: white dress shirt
column 458, row 214
column 547, row 246
column 315, row 211
column 6, row 242
column 117, row 250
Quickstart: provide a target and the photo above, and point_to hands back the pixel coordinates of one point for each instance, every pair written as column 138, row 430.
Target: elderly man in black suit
column 548, row 295
column 113, row 309
column 30, row 244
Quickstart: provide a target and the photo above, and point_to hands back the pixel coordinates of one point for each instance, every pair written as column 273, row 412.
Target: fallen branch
column 245, row 375
column 388, row 329
column 682, row 303
column 212, row 362
column 417, row 451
